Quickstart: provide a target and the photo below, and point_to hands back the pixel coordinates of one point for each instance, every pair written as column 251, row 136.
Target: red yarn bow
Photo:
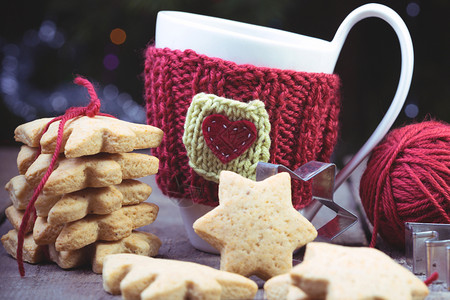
column 91, row 110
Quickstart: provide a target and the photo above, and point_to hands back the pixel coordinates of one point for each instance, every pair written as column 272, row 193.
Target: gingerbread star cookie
column 141, row 277
column 338, row 272
column 15, row 217
column 111, row 227
column 76, row 205
column 25, row 158
column 88, row 136
column 32, row 252
column 255, row 227
column 140, row 243
column 103, row 169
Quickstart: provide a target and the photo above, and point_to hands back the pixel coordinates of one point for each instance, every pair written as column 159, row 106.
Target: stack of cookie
column 91, row 203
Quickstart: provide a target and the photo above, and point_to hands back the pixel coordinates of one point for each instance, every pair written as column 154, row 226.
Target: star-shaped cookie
column 141, row 243
column 339, row 272
column 111, row 227
column 87, row 136
column 255, row 227
column 76, row 205
column 100, row 170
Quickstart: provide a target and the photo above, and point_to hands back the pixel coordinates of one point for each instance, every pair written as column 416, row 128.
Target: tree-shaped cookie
column 140, row 277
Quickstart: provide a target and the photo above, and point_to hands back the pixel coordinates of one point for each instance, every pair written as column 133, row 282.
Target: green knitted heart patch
column 225, row 134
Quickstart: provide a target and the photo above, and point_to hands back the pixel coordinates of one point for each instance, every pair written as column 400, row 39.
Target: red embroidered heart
column 227, row 139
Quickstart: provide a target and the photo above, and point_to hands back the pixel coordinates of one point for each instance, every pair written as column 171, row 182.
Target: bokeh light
column 47, row 31
column 59, row 102
column 111, row 62
column 118, row 36
column 110, row 92
column 9, row 85
column 411, row 110
column 413, row 9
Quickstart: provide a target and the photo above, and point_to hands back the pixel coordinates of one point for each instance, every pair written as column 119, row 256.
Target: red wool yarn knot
column 408, row 180
column 93, row 107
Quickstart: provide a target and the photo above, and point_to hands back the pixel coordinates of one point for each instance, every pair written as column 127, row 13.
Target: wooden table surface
column 48, row 281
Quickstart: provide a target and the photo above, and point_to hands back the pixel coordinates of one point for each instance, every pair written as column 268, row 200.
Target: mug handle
column 407, row 64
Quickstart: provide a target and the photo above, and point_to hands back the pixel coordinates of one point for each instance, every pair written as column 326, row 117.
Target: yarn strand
column 433, row 277
column 91, row 110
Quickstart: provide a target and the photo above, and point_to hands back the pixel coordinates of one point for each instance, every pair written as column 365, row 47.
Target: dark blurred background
column 44, row 44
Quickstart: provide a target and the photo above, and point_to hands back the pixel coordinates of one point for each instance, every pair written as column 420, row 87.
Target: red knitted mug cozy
column 303, row 110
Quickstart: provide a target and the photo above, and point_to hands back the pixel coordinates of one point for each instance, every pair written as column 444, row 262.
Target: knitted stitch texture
column 303, row 111
column 202, row 159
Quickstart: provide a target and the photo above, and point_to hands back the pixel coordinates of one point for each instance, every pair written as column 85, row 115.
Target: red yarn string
column 384, row 175
column 91, row 110
column 424, row 189
column 433, row 277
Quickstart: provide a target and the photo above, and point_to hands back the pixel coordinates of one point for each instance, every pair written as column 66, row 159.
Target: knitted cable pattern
column 202, row 159
column 303, row 111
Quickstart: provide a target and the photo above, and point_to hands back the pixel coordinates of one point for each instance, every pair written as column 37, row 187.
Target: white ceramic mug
column 266, row 47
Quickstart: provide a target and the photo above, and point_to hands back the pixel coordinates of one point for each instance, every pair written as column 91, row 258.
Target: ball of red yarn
column 408, row 180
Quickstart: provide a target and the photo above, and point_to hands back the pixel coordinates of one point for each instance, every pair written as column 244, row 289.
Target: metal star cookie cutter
column 322, row 176
column 428, row 249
